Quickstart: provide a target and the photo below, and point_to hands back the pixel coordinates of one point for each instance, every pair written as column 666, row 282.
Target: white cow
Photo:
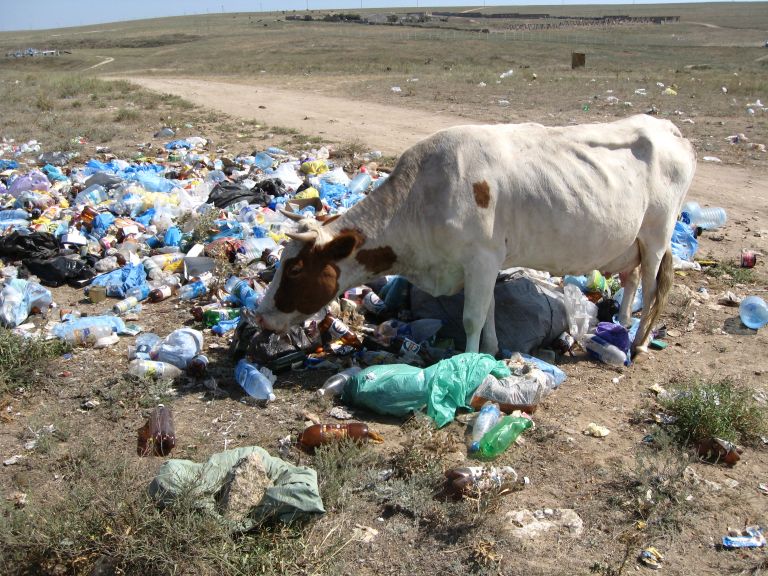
column 471, row 200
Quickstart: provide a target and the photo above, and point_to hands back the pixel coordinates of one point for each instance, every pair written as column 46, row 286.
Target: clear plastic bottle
column 753, row 311
column 146, row 347
column 486, row 419
column 605, row 351
column 502, row 435
column 256, row 384
column 193, row 290
column 706, row 218
column 87, row 336
column 359, row 183
column 141, row 293
column 180, row 346
column 153, row 369
column 334, row 386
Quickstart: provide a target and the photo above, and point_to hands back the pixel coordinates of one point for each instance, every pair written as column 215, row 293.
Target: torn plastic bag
column 683, row 243
column 59, row 270
column 21, row 246
column 614, row 334
column 34, row 180
column 392, row 389
column 284, row 492
column 452, row 382
column 269, row 347
column 528, row 315
column 118, row 282
column 19, row 298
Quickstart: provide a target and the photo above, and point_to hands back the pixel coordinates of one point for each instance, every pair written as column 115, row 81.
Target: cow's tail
column 664, row 279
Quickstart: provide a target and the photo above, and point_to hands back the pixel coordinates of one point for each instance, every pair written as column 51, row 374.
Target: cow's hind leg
column 629, row 284
column 656, row 269
column 489, row 343
column 479, row 280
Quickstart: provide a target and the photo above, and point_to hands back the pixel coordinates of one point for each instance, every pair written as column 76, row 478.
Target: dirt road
column 392, row 129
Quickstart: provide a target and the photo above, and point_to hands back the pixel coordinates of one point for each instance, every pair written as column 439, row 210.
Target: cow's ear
column 340, row 247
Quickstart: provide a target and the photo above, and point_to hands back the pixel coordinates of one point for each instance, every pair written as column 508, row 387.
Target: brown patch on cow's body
column 482, row 193
column 377, row 260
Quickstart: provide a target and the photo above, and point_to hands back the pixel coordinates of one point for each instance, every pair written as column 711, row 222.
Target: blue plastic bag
column 119, row 281
column 684, row 243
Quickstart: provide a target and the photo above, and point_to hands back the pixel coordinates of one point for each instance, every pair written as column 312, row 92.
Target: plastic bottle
column 87, row 336
column 256, row 384
column 486, row 419
column 153, row 369
column 193, row 290
column 706, row 218
column 604, row 351
column 213, row 317
column 359, row 183
column 145, row 347
column 253, row 248
column 469, row 480
column 334, row 386
column 125, row 305
column 319, row 434
column 248, row 296
column 160, row 293
column 422, row 330
column 502, row 435
column 180, row 346
column 152, row 268
column 753, row 312
column 263, row 161
column 158, row 435
column 141, row 292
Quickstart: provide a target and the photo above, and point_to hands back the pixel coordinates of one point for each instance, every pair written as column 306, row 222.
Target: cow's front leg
column 479, row 281
column 489, row 343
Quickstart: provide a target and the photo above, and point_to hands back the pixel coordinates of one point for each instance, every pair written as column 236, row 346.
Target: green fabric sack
column 391, row 389
column 293, row 495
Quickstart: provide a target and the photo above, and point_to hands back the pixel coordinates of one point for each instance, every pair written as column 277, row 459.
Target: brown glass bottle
column 158, row 435
column 335, row 329
column 161, row 293
column 319, row 434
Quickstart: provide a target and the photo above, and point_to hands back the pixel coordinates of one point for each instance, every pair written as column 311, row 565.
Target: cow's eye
column 295, row 269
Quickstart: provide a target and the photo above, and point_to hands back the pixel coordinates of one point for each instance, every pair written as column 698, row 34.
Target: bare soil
column 566, row 468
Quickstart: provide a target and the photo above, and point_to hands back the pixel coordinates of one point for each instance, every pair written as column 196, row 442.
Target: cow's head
column 315, row 266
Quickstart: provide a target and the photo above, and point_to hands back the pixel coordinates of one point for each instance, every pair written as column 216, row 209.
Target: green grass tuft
column 21, row 357
column 715, row 410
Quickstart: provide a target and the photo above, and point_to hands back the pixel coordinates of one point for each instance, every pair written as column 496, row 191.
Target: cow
column 470, row 200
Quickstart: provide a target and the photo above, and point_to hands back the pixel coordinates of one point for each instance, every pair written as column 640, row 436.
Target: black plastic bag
column 60, row 270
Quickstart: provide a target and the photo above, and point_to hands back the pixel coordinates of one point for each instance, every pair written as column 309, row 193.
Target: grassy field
column 77, row 503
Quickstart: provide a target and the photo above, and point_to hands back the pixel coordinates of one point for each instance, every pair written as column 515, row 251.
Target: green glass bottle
column 213, row 317
column 502, row 435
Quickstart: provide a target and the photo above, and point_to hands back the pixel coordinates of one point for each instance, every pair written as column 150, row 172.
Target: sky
column 38, row 14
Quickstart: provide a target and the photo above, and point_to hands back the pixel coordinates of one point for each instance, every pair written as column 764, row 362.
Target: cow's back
column 563, row 199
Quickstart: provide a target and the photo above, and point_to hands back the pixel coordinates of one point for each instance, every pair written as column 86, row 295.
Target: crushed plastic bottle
column 502, row 435
column 334, row 386
column 254, row 381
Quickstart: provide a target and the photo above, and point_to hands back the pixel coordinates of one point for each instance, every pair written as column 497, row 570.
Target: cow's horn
column 291, row 215
column 309, row 236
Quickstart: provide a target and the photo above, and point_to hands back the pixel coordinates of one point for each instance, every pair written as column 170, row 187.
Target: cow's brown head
column 309, row 275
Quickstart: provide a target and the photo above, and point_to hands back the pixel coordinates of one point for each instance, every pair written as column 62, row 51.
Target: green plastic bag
column 452, row 382
column 392, row 389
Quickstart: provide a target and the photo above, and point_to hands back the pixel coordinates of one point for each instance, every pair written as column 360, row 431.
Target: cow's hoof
column 640, row 355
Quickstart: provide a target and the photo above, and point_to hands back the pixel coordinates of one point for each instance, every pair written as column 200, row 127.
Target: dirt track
column 392, row 129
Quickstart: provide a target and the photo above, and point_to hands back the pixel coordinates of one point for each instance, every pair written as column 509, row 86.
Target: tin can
column 748, row 259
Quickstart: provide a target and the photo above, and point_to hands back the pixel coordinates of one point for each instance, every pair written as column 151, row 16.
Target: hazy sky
column 20, row 15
